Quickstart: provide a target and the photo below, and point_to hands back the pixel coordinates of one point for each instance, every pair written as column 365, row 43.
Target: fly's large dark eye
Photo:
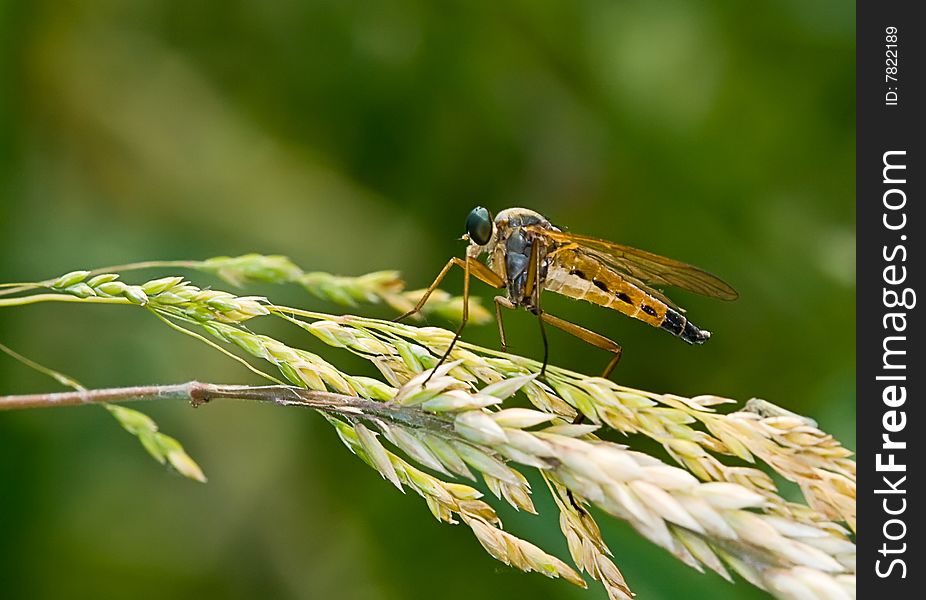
column 479, row 226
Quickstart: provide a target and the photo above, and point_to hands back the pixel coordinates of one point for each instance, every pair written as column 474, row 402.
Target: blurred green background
column 356, row 136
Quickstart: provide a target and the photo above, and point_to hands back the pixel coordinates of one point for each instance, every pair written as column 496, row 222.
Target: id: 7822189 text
column 891, row 66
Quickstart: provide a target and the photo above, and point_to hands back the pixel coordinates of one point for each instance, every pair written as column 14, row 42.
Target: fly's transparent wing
column 644, row 266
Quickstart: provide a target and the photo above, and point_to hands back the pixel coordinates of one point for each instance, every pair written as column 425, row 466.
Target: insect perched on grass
column 527, row 255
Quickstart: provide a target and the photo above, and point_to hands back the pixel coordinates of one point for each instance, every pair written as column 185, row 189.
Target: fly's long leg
column 483, row 273
column 502, row 302
column 597, row 340
column 533, row 287
column 546, row 345
column 463, row 320
column 479, row 271
column 429, row 291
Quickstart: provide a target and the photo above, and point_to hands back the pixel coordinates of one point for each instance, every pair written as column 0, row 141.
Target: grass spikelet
column 486, row 414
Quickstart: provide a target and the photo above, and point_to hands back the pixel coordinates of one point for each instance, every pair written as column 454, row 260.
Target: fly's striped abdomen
column 577, row 275
column 610, row 293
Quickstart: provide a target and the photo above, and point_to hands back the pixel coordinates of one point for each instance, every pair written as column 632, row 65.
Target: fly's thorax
column 511, row 250
column 519, row 217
